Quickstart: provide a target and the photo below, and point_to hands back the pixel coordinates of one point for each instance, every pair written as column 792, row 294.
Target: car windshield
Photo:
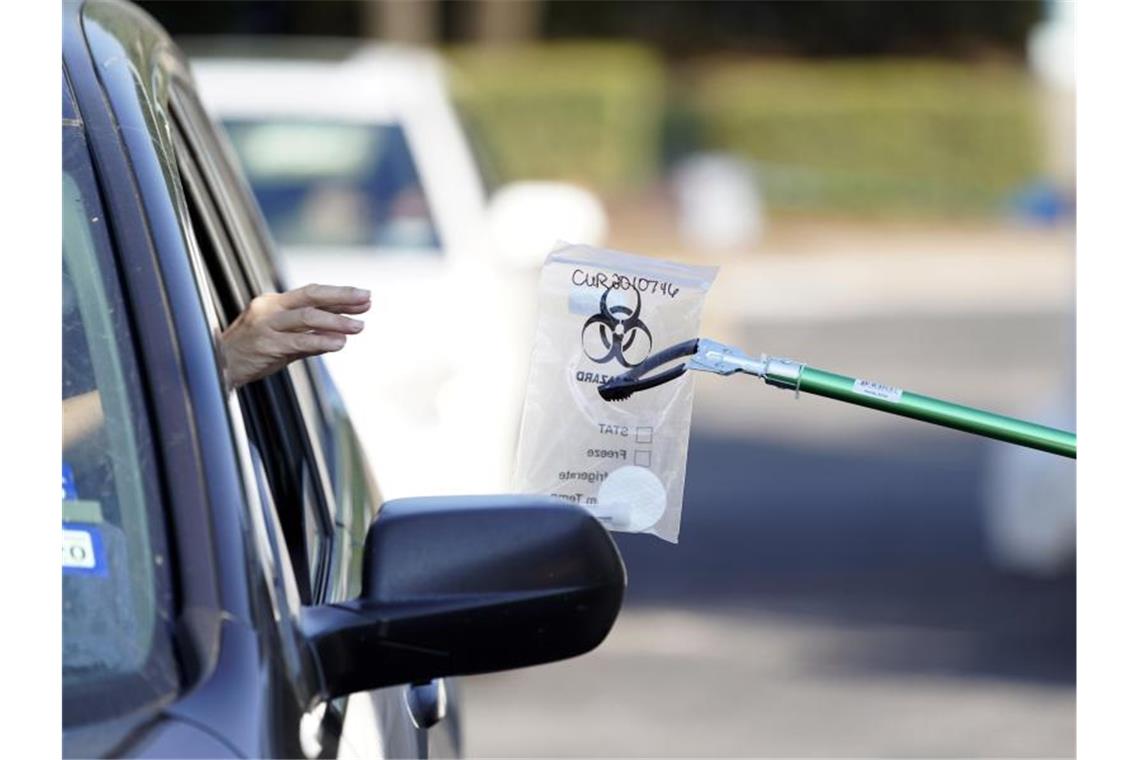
column 117, row 605
column 335, row 184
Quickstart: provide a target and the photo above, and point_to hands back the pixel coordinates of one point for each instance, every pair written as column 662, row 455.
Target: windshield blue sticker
column 69, row 490
column 878, row 390
column 83, row 552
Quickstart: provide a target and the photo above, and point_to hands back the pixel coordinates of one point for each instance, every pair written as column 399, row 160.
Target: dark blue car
column 233, row 584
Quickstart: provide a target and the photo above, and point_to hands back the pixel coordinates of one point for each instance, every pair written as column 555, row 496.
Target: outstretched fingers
column 314, row 344
column 313, row 318
column 333, row 298
column 277, row 328
column 348, row 308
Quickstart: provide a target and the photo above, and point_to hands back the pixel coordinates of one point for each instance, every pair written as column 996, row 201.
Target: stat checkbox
column 643, row 435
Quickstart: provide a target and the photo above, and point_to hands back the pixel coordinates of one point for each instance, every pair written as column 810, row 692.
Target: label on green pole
column 878, row 390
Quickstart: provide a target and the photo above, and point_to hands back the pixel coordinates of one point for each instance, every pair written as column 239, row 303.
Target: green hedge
column 586, row 112
column 875, row 136
column 884, row 136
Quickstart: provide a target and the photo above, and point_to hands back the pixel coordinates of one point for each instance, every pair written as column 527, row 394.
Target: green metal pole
column 886, row 398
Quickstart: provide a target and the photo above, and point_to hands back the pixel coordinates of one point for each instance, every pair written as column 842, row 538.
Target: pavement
column 832, row 593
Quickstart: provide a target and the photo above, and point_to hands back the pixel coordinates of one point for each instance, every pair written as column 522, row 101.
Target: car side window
column 268, row 406
column 327, row 183
column 118, row 596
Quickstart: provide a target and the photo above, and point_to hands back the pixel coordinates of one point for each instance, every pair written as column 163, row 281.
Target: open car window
column 269, row 406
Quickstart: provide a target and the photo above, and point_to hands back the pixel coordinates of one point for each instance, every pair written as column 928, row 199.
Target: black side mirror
column 469, row 584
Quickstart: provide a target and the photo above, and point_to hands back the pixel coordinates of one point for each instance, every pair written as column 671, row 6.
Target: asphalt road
column 831, row 594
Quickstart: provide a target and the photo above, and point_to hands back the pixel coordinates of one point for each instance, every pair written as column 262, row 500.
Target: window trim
column 280, row 392
column 267, row 540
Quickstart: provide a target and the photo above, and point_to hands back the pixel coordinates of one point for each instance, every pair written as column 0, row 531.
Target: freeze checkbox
column 642, row 457
column 643, row 435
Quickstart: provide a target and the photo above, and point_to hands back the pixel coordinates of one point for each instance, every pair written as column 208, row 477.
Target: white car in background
column 1029, row 498
column 366, row 177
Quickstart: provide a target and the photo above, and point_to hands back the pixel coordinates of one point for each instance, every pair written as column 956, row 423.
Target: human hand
column 278, row 328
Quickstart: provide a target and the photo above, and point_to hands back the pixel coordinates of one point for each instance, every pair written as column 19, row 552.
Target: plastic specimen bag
column 601, row 313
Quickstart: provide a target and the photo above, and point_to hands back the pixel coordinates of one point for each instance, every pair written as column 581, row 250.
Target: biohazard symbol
column 618, row 333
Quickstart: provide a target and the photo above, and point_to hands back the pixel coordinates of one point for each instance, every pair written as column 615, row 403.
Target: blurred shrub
column 882, row 136
column 584, row 112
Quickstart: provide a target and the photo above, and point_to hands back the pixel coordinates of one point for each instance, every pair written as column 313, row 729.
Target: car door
column 324, row 493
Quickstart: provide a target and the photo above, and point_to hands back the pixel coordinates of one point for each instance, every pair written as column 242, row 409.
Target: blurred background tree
column 851, row 107
column 966, row 28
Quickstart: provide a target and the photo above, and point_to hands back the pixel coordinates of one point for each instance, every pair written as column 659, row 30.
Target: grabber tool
column 709, row 356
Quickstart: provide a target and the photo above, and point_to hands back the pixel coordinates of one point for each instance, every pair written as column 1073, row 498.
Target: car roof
column 141, row 38
column 315, row 77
